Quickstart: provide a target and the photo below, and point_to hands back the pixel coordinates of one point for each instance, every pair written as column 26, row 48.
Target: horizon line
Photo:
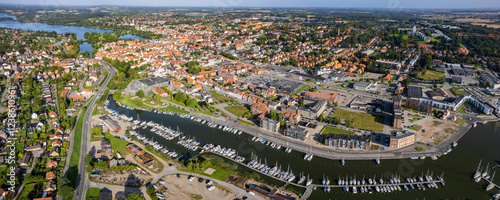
column 251, row 7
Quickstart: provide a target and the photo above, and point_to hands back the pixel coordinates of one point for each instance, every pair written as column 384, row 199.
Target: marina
column 318, row 167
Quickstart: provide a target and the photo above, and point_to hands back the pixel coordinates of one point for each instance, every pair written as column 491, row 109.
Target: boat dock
column 310, row 188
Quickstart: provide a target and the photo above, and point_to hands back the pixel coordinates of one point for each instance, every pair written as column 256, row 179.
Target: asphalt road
column 82, row 180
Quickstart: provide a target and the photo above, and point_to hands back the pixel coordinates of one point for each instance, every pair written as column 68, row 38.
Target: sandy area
column 182, row 188
column 436, row 130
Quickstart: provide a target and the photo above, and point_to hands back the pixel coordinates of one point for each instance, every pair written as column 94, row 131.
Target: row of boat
column 420, row 182
column 480, row 175
column 271, row 144
column 385, row 188
column 272, row 171
column 190, row 144
column 228, row 152
column 158, row 147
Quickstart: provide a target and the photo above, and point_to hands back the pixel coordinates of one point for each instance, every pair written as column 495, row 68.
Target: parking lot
column 187, row 187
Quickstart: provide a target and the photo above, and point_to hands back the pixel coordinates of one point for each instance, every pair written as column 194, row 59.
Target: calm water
column 61, row 29
column 479, row 143
column 2, row 15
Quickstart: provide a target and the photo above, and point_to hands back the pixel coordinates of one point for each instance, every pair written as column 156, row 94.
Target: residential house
column 57, row 143
column 35, row 147
column 25, row 160
column 56, row 151
column 50, row 175
column 51, row 163
column 50, row 187
column 258, row 108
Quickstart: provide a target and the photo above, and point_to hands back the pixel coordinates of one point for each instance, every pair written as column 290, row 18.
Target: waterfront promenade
column 336, row 154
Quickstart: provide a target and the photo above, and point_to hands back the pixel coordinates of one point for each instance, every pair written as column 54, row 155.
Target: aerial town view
column 226, row 100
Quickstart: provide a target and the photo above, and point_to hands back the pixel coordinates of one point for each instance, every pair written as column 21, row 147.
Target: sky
column 381, row 4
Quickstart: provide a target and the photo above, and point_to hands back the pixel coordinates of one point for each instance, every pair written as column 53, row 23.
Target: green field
column 414, row 118
column 302, row 88
column 173, row 109
column 415, row 128
column 362, row 120
column 220, row 97
column 246, row 123
column 458, row 91
column 431, row 76
column 92, row 193
column 460, row 121
column 237, row 110
column 334, row 130
column 75, row 154
column 118, row 144
column 26, row 190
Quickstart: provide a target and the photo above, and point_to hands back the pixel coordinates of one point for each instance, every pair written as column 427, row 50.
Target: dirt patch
column 237, row 181
column 476, row 20
column 487, row 25
column 209, row 171
column 435, row 130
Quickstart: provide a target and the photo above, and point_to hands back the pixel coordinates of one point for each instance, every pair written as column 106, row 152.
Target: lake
column 61, row 29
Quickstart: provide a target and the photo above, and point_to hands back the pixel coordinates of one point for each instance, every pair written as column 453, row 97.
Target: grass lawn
column 206, row 112
column 26, row 190
column 126, row 101
column 246, row 123
column 220, row 97
column 97, row 112
column 118, row 144
column 302, row 88
column 237, row 110
column 92, row 193
column 415, row 128
column 461, row 109
column 414, row 118
column 75, row 154
column 431, row 76
column 362, row 120
column 334, row 130
column 173, row 109
column 458, row 91
column 460, row 121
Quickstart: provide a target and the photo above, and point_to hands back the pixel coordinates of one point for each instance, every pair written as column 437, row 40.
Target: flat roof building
column 414, row 92
column 108, row 122
column 346, row 141
column 270, row 125
column 296, row 132
column 400, row 139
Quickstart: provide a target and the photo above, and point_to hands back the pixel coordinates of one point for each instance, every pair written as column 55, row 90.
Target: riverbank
column 337, row 154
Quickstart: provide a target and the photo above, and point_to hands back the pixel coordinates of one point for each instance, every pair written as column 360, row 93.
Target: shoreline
column 336, row 154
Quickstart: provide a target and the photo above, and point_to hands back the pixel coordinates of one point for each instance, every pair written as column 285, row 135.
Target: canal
column 479, row 143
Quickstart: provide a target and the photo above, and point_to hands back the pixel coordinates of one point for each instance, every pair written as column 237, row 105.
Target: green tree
column 320, row 118
column 140, row 93
column 192, row 103
column 157, row 98
column 272, row 114
column 135, row 196
column 348, row 123
column 180, row 97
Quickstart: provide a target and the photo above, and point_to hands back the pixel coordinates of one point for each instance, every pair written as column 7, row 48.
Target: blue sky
column 382, row 4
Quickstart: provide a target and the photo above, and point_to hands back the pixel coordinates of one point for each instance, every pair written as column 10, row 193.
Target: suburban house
column 51, row 163
column 56, row 151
